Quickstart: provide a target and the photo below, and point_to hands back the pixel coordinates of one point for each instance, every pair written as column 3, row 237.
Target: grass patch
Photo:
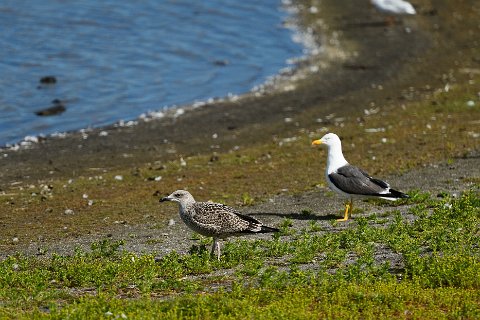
column 303, row 274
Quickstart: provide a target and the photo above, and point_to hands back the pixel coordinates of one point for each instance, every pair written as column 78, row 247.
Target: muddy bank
column 356, row 54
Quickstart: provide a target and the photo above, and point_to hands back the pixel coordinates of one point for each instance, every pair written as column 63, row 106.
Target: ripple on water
column 118, row 59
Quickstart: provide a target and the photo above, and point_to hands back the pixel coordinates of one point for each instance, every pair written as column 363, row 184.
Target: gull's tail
column 394, row 195
column 255, row 226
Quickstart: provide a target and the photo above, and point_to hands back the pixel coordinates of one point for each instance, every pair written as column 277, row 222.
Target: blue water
column 117, row 59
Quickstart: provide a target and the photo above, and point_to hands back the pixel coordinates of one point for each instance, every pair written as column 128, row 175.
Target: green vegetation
column 420, row 264
column 431, row 272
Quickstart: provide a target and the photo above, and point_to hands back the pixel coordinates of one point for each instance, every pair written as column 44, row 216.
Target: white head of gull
column 349, row 181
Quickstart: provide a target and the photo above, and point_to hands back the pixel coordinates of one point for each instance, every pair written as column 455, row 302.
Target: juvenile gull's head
column 183, row 197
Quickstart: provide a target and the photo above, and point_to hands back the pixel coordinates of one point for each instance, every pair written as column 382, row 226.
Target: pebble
column 374, row 130
column 183, row 163
column 179, row 112
column 31, row 139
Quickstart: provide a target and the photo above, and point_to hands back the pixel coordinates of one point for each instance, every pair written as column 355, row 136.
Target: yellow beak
column 316, row 142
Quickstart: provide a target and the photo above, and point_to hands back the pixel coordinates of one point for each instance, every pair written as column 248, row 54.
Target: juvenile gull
column 350, row 181
column 214, row 219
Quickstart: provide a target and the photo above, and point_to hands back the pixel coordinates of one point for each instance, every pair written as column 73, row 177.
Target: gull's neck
column 335, row 158
column 187, row 203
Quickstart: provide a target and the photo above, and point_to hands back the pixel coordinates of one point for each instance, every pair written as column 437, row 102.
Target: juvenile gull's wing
column 224, row 219
column 353, row 180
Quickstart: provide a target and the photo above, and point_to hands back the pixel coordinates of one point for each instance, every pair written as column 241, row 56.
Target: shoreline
column 295, row 68
column 228, row 120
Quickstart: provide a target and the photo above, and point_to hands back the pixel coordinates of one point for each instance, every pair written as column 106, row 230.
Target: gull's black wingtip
column 398, row 194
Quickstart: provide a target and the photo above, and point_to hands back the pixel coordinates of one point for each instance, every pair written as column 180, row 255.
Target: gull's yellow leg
column 348, row 210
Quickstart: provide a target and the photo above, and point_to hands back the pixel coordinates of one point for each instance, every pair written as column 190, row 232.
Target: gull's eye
column 177, row 195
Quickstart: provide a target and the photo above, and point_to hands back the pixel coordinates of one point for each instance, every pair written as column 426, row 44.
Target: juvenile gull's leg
column 218, row 250
column 215, row 246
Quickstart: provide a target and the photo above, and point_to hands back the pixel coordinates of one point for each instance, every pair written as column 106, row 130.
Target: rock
column 221, row 63
column 52, row 111
column 48, row 80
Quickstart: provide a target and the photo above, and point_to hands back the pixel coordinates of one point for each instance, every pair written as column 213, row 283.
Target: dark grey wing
column 378, row 182
column 353, row 180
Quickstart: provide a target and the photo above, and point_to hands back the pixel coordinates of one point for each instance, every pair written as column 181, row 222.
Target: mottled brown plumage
column 214, row 219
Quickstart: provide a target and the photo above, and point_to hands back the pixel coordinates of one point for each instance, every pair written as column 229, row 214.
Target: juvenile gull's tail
column 255, row 226
column 266, row 229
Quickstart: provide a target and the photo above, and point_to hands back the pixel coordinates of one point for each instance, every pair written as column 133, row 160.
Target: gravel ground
column 319, row 205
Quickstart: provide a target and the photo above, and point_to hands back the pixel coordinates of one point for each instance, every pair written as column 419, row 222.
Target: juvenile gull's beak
column 316, row 142
column 164, row 199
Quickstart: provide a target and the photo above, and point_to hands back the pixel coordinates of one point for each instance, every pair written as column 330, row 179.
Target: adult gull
column 349, row 181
